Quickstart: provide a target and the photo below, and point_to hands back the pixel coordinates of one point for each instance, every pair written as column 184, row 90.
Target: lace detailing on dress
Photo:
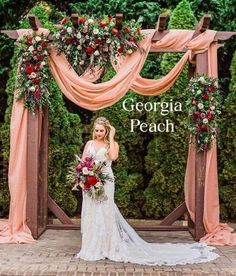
column 106, row 234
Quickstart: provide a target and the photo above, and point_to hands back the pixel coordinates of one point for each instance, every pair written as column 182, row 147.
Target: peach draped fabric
column 86, row 94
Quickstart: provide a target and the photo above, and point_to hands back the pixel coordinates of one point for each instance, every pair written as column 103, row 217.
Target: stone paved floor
column 53, row 255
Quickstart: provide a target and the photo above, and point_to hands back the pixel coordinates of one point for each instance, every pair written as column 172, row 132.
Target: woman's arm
column 85, row 151
column 114, row 147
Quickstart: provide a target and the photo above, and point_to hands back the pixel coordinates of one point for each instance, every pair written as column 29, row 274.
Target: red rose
column 205, row 97
column 98, row 41
column 203, row 128
column 64, row 20
column 196, row 114
column 69, row 40
column 203, row 115
column 121, row 48
column 102, row 24
column 86, row 186
column 29, row 40
column 91, row 180
column 29, row 69
column 44, row 44
column 40, row 57
column 36, row 81
column 79, row 167
column 127, row 29
column 82, row 20
column 115, row 31
column 210, row 115
column 131, row 39
column 35, row 52
column 89, row 50
column 211, row 88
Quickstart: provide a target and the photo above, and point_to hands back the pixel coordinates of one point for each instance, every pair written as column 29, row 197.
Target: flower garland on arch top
column 95, row 41
column 204, row 109
column 32, row 79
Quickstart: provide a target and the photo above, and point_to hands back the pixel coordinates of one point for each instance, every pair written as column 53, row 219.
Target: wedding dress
column 106, row 234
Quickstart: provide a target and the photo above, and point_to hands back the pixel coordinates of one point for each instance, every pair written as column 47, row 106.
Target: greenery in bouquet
column 95, row 41
column 203, row 106
column 32, row 78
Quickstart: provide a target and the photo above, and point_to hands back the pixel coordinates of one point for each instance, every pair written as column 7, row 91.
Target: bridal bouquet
column 91, row 178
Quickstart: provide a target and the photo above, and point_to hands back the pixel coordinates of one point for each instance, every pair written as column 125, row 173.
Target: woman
column 106, row 234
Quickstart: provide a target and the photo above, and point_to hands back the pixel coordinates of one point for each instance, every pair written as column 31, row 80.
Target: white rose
column 199, row 92
column 95, row 31
column 38, row 38
column 79, row 47
column 130, row 51
column 78, row 35
column 43, row 63
column 202, row 80
column 200, row 106
column 108, row 40
column 57, row 35
column 32, row 89
column 31, row 48
column 205, row 121
column 96, row 53
column 81, row 62
column 85, row 171
column 212, row 107
column 33, row 40
column 87, row 36
column 33, row 75
column 90, row 21
column 91, row 173
column 69, row 30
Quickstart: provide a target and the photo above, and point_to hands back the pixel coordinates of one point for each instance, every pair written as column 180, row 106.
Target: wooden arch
column 38, row 200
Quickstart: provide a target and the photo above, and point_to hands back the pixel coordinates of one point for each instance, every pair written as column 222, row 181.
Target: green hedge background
column 150, row 169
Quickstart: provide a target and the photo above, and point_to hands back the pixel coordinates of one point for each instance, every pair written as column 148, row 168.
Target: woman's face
column 99, row 131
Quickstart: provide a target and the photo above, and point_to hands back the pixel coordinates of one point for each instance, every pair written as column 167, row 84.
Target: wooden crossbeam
column 34, row 22
column 176, row 214
column 75, row 19
column 161, row 23
column 119, row 20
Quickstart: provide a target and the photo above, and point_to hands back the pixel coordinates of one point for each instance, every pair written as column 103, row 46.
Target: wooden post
column 37, row 172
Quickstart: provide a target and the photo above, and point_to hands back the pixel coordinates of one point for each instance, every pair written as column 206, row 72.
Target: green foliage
column 147, row 11
column 65, row 134
column 227, row 160
column 167, row 152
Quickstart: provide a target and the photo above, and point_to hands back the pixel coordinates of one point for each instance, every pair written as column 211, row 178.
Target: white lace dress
column 106, row 234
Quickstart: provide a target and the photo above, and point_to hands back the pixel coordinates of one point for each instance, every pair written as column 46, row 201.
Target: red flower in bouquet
column 29, row 69
column 89, row 50
column 92, row 180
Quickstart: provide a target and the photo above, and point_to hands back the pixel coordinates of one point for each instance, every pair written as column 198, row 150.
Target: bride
column 106, row 234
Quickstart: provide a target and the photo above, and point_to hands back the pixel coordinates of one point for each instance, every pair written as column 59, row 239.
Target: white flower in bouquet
column 87, row 37
column 32, row 89
column 43, row 63
column 33, row 41
column 69, row 30
column 79, row 47
column 96, row 53
column 91, row 173
column 33, row 75
column 130, row 51
column 200, row 106
column 216, row 83
column 98, row 184
column 205, row 121
column 38, row 38
column 95, row 31
column 78, row 35
column 40, row 48
column 31, row 48
column 81, row 62
column 199, row 92
column 212, row 107
column 106, row 49
column 202, row 80
column 45, row 53
column 85, row 171
column 108, row 40
column 57, row 35
column 90, row 21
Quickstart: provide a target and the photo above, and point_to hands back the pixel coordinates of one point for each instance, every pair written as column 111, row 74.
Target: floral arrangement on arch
column 95, row 41
column 203, row 106
column 33, row 75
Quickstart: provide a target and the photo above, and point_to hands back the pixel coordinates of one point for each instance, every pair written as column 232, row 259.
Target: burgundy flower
column 205, row 97
column 37, row 94
column 29, row 69
column 36, row 81
column 44, row 44
column 35, row 52
column 40, row 57
column 196, row 114
column 89, row 50
column 203, row 128
column 92, row 180
column 211, row 88
column 121, row 48
column 115, row 32
column 127, row 30
column 29, row 40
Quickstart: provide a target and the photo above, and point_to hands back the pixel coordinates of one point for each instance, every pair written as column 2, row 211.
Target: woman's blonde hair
column 104, row 122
